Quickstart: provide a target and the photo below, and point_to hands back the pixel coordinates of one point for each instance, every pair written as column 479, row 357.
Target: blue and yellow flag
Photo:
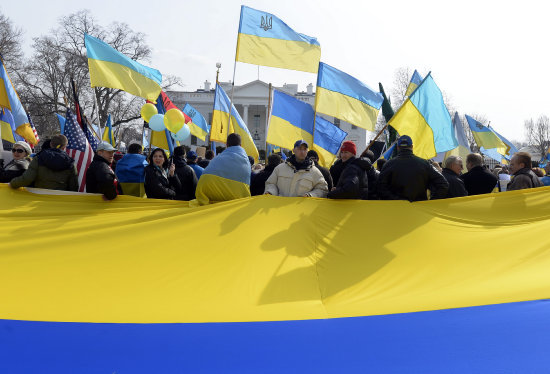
column 342, row 96
column 198, row 125
column 290, row 120
column 108, row 132
column 162, row 139
column 389, row 152
column 62, row 121
column 463, row 148
column 327, row 140
column 110, row 68
column 220, row 121
column 494, row 152
column 416, row 79
column 487, row 138
column 266, row 40
column 7, row 127
column 10, row 100
column 425, row 118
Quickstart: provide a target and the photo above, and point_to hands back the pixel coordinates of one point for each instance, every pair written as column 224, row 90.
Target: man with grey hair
column 478, row 180
column 452, row 168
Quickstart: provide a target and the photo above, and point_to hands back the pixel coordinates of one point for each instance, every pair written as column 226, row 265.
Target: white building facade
column 251, row 101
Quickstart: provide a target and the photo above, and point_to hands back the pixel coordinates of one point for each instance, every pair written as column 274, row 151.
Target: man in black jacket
column 407, row 177
column 326, row 173
column 186, row 175
column 452, row 167
column 478, row 180
column 257, row 184
column 100, row 178
column 353, row 182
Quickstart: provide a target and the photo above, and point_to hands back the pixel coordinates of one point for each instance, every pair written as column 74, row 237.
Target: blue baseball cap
column 404, row 141
column 300, row 142
column 191, row 155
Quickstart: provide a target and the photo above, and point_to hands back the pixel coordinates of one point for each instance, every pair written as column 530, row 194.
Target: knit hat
column 349, row 146
column 25, row 146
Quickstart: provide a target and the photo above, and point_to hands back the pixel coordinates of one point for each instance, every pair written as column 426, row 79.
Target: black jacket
column 353, row 182
column 456, row 185
column 257, row 182
column 188, row 180
column 157, row 186
column 203, row 163
column 12, row 169
column 479, row 181
column 372, row 176
column 335, row 170
column 407, row 177
column 100, row 178
column 326, row 175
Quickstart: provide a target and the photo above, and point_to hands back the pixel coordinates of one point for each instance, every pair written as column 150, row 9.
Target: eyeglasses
column 17, row 150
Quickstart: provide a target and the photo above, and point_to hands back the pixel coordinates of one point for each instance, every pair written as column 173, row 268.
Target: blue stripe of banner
column 99, row 50
column 335, row 80
column 504, row 338
column 273, row 27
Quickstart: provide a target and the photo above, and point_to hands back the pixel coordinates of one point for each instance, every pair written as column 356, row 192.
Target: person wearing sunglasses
column 17, row 166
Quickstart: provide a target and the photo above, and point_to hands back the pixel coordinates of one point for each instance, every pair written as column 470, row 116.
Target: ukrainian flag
column 290, row 120
column 416, row 79
column 463, row 148
column 266, row 40
column 342, row 96
column 327, row 140
column 487, row 138
column 110, row 68
column 7, row 126
column 108, row 132
column 198, row 125
column 426, row 120
column 389, row 152
column 494, row 152
column 220, row 120
column 62, row 121
column 10, row 100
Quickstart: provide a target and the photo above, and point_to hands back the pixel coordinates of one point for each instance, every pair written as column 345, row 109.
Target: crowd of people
column 232, row 174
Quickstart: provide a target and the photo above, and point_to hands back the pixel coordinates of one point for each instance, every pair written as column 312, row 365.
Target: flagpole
column 231, row 99
column 269, row 98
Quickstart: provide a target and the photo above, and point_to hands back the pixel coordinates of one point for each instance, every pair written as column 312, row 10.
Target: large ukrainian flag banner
column 425, row 118
column 290, row 120
column 10, row 100
column 198, row 125
column 457, row 285
column 342, row 96
column 266, row 40
column 220, row 120
column 487, row 138
column 327, row 140
column 110, row 68
column 416, row 79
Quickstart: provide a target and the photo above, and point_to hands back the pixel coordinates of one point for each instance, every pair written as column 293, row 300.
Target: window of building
column 193, row 140
column 353, row 127
column 256, row 121
column 337, row 122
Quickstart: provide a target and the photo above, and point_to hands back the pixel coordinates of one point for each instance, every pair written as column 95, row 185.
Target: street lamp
column 218, row 65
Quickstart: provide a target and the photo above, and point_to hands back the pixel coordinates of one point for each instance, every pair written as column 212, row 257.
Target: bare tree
column 481, row 118
column 10, row 43
column 538, row 134
column 401, row 80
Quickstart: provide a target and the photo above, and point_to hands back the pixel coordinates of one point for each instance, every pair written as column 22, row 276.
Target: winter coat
column 353, row 182
column 372, row 176
column 293, row 179
column 456, row 185
column 335, row 170
column 326, row 175
column 13, row 169
column 196, row 168
column 203, row 163
column 53, row 169
column 407, row 177
column 479, row 181
column 524, row 178
column 187, row 178
column 100, row 178
column 257, row 182
column 158, row 185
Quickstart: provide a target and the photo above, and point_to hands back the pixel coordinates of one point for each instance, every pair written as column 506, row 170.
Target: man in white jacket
column 298, row 176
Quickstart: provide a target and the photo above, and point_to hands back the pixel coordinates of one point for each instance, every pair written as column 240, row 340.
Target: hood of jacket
column 55, row 159
column 363, row 163
column 179, row 161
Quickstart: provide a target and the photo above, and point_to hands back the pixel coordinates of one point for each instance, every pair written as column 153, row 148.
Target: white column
column 245, row 115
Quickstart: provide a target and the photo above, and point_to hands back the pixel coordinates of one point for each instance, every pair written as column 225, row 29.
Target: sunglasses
column 18, row 150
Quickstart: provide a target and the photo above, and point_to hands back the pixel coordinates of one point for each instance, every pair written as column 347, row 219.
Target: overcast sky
column 490, row 57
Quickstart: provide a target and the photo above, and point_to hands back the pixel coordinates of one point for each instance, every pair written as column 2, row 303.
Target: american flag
column 78, row 148
column 33, row 130
column 92, row 139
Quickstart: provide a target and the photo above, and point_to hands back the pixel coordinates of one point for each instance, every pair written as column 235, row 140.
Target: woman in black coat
column 161, row 182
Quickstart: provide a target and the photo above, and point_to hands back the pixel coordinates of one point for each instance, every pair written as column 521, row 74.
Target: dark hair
column 58, row 141
column 474, row 159
column 274, row 159
column 312, row 154
column 134, row 148
column 523, row 158
column 233, row 140
column 370, row 155
column 165, row 163
column 380, row 163
column 179, row 151
column 46, row 144
column 209, row 155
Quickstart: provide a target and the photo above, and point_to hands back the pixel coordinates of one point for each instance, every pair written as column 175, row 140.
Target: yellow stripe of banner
column 346, row 108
